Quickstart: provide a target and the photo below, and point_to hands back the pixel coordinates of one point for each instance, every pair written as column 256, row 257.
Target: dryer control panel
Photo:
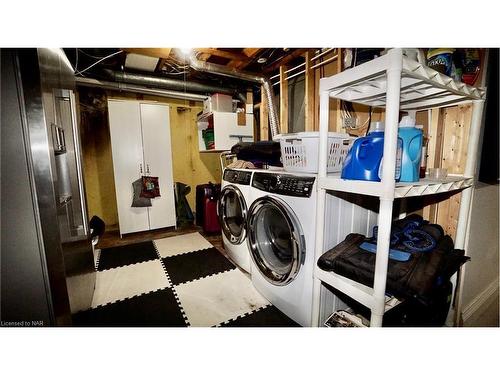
column 295, row 186
column 237, row 177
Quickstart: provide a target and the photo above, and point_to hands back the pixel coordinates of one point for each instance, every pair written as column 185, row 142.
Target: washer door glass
column 276, row 240
column 233, row 214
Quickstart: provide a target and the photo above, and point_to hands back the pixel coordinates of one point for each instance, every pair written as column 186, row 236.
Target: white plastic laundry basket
column 299, row 151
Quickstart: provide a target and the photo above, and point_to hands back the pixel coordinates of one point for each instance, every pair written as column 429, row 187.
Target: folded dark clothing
column 415, row 278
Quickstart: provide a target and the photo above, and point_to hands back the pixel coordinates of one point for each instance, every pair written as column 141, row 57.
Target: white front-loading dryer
column 281, row 237
column 232, row 210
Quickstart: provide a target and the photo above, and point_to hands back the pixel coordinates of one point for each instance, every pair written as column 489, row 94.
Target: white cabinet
column 227, row 132
column 140, row 142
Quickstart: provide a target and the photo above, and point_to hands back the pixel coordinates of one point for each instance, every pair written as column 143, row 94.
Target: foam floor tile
column 216, row 299
column 269, row 316
column 197, row 264
column 181, row 244
column 124, row 255
column 154, row 309
column 128, row 281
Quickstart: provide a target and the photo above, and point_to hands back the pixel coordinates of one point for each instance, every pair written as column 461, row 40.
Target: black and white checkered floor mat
column 175, row 282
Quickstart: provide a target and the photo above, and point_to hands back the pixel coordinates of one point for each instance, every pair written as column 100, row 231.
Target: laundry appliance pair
column 268, row 220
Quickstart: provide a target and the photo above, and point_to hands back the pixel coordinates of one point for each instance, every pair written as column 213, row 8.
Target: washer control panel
column 237, row 177
column 283, row 184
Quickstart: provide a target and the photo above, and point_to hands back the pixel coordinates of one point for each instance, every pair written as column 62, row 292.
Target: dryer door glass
column 276, row 240
column 233, row 214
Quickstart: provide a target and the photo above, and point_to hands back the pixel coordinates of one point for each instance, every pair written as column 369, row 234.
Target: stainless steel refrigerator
column 47, row 262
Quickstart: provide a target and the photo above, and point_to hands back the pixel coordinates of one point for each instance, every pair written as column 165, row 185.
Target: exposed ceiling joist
column 226, row 54
column 285, row 60
column 250, row 53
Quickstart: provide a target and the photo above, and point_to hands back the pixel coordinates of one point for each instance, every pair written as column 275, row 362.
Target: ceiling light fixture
column 262, row 60
column 186, row 51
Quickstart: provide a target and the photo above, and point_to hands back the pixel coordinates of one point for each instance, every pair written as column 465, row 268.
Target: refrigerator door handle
column 78, row 153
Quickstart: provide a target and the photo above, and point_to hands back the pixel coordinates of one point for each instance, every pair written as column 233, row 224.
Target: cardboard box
column 218, row 103
column 242, row 120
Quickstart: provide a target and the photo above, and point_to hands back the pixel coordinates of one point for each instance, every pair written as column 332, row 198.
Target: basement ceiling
column 171, row 63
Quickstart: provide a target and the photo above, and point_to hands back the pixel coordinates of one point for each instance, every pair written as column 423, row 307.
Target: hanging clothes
column 137, row 199
column 150, row 187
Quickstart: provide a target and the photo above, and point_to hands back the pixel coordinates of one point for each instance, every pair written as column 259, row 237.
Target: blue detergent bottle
column 412, row 149
column 364, row 159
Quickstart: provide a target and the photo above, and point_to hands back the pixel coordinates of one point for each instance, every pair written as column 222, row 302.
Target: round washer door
column 233, row 214
column 276, row 240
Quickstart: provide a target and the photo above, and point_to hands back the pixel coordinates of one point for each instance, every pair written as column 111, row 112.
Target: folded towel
column 241, row 164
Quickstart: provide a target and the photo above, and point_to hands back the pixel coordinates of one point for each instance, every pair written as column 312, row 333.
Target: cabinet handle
column 147, row 168
column 140, row 168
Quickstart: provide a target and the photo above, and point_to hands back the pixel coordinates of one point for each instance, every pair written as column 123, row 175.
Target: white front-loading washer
column 281, row 237
column 232, row 210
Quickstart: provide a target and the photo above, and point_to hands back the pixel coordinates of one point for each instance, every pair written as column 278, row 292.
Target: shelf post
column 466, row 198
column 324, row 111
column 388, row 185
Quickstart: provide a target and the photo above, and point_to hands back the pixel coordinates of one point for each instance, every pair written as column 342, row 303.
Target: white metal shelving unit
column 396, row 83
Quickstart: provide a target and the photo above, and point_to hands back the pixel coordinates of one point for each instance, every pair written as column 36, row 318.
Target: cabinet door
column 158, row 161
column 126, row 144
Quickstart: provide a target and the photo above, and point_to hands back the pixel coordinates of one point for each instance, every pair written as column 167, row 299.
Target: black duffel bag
column 416, row 278
column 261, row 152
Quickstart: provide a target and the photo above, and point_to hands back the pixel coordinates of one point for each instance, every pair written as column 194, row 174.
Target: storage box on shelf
column 396, row 83
column 225, row 131
column 218, row 103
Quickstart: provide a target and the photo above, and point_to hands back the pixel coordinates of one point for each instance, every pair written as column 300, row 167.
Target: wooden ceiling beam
column 285, row 60
column 250, row 53
column 203, row 56
column 226, row 54
column 162, row 53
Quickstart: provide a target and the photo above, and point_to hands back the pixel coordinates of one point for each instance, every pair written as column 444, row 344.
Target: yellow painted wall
column 189, row 165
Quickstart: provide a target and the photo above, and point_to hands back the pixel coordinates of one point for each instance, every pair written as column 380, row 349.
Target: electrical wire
column 97, row 62
column 89, row 55
column 369, row 121
column 76, row 58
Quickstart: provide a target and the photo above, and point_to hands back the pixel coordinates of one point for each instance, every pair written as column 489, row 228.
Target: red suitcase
column 210, row 219
column 202, row 192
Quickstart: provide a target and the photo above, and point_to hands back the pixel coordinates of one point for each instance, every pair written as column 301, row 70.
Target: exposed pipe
column 167, row 83
column 117, row 86
column 242, row 97
column 221, row 70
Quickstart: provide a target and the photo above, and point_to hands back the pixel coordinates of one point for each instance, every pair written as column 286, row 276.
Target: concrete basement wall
column 189, row 165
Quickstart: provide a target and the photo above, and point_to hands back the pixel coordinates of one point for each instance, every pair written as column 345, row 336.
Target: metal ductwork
column 169, row 83
column 267, row 88
column 118, row 86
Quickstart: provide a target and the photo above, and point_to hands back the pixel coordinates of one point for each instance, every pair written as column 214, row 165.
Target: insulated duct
column 267, row 88
column 117, row 86
column 169, row 83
